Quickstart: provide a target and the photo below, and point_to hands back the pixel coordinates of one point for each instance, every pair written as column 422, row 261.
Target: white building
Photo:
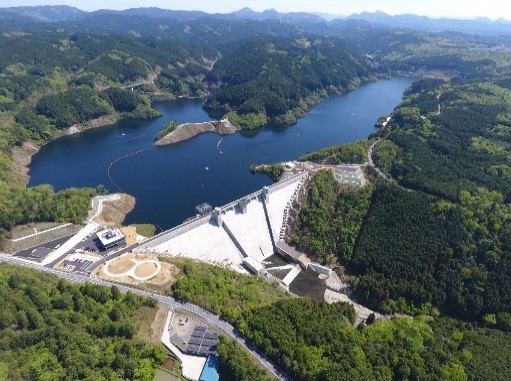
column 350, row 175
column 110, row 238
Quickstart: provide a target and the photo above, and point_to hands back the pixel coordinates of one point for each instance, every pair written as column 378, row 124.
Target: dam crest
column 250, row 227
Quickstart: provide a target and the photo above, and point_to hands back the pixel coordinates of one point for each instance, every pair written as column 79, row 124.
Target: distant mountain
column 158, row 21
column 157, row 13
column 480, row 25
column 65, row 13
column 47, row 13
column 329, row 17
column 272, row 14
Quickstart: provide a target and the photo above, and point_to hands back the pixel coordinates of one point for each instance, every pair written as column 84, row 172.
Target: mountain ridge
column 63, row 13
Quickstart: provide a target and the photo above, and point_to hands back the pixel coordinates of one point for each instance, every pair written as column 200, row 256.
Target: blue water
column 168, row 182
column 210, row 370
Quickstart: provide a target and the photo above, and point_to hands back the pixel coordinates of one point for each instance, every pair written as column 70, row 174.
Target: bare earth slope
column 189, row 130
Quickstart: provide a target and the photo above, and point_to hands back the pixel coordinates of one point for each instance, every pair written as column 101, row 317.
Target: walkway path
column 40, row 232
column 132, row 271
column 97, row 205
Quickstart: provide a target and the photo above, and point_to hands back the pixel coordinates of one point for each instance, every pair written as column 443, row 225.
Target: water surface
column 168, row 182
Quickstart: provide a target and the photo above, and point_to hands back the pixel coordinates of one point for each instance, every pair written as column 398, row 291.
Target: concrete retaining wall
column 286, row 182
column 174, row 232
column 316, row 267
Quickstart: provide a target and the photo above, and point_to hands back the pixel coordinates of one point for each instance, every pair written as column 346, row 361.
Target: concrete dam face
column 246, row 228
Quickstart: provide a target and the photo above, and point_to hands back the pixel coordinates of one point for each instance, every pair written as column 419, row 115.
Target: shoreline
column 187, row 131
column 22, row 156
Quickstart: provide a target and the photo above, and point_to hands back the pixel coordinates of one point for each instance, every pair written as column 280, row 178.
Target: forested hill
column 434, row 239
column 51, row 81
column 278, row 79
column 52, row 14
column 54, row 330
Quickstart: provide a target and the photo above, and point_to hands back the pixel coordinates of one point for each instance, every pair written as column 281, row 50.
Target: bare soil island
column 189, row 130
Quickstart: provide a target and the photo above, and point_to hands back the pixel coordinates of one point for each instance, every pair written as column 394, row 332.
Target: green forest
column 53, row 330
column 433, row 242
column 237, row 365
column 329, row 223
column 353, row 153
column 277, row 80
column 51, row 81
column 317, row 341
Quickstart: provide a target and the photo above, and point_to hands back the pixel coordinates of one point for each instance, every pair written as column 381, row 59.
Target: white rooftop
column 108, row 236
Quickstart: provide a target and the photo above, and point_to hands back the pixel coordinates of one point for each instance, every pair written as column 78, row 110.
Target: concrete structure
column 290, row 276
column 191, row 365
column 247, row 227
column 254, row 266
column 292, row 254
column 316, row 267
column 290, row 165
column 247, row 222
column 110, row 238
column 70, row 243
column 201, row 240
column 350, row 175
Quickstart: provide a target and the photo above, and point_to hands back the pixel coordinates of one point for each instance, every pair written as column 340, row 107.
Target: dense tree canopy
column 52, row 330
column 50, row 81
column 279, row 79
column 315, row 341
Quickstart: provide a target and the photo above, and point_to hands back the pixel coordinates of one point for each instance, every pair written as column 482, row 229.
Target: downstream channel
column 168, row 182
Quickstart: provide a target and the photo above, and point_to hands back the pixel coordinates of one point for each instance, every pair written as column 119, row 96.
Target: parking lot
column 39, row 252
column 89, row 244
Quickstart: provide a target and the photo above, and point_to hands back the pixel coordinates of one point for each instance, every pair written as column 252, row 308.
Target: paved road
column 109, row 257
column 213, row 321
column 371, row 162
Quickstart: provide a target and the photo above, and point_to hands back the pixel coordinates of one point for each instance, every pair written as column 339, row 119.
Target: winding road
column 210, row 319
column 371, row 162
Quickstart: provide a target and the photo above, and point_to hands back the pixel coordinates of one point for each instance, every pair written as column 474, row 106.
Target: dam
column 248, row 227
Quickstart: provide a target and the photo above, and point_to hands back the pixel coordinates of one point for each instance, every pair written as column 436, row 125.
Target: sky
column 434, row 8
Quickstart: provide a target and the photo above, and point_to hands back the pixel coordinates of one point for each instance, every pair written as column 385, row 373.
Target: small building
column 350, row 175
column 254, row 266
column 110, row 238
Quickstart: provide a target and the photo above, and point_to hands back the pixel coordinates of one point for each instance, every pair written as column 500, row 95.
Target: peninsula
column 189, row 130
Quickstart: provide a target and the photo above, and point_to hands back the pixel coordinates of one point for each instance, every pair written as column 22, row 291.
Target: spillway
column 248, row 226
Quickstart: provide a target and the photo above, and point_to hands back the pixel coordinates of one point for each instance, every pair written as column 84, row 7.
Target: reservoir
column 169, row 181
